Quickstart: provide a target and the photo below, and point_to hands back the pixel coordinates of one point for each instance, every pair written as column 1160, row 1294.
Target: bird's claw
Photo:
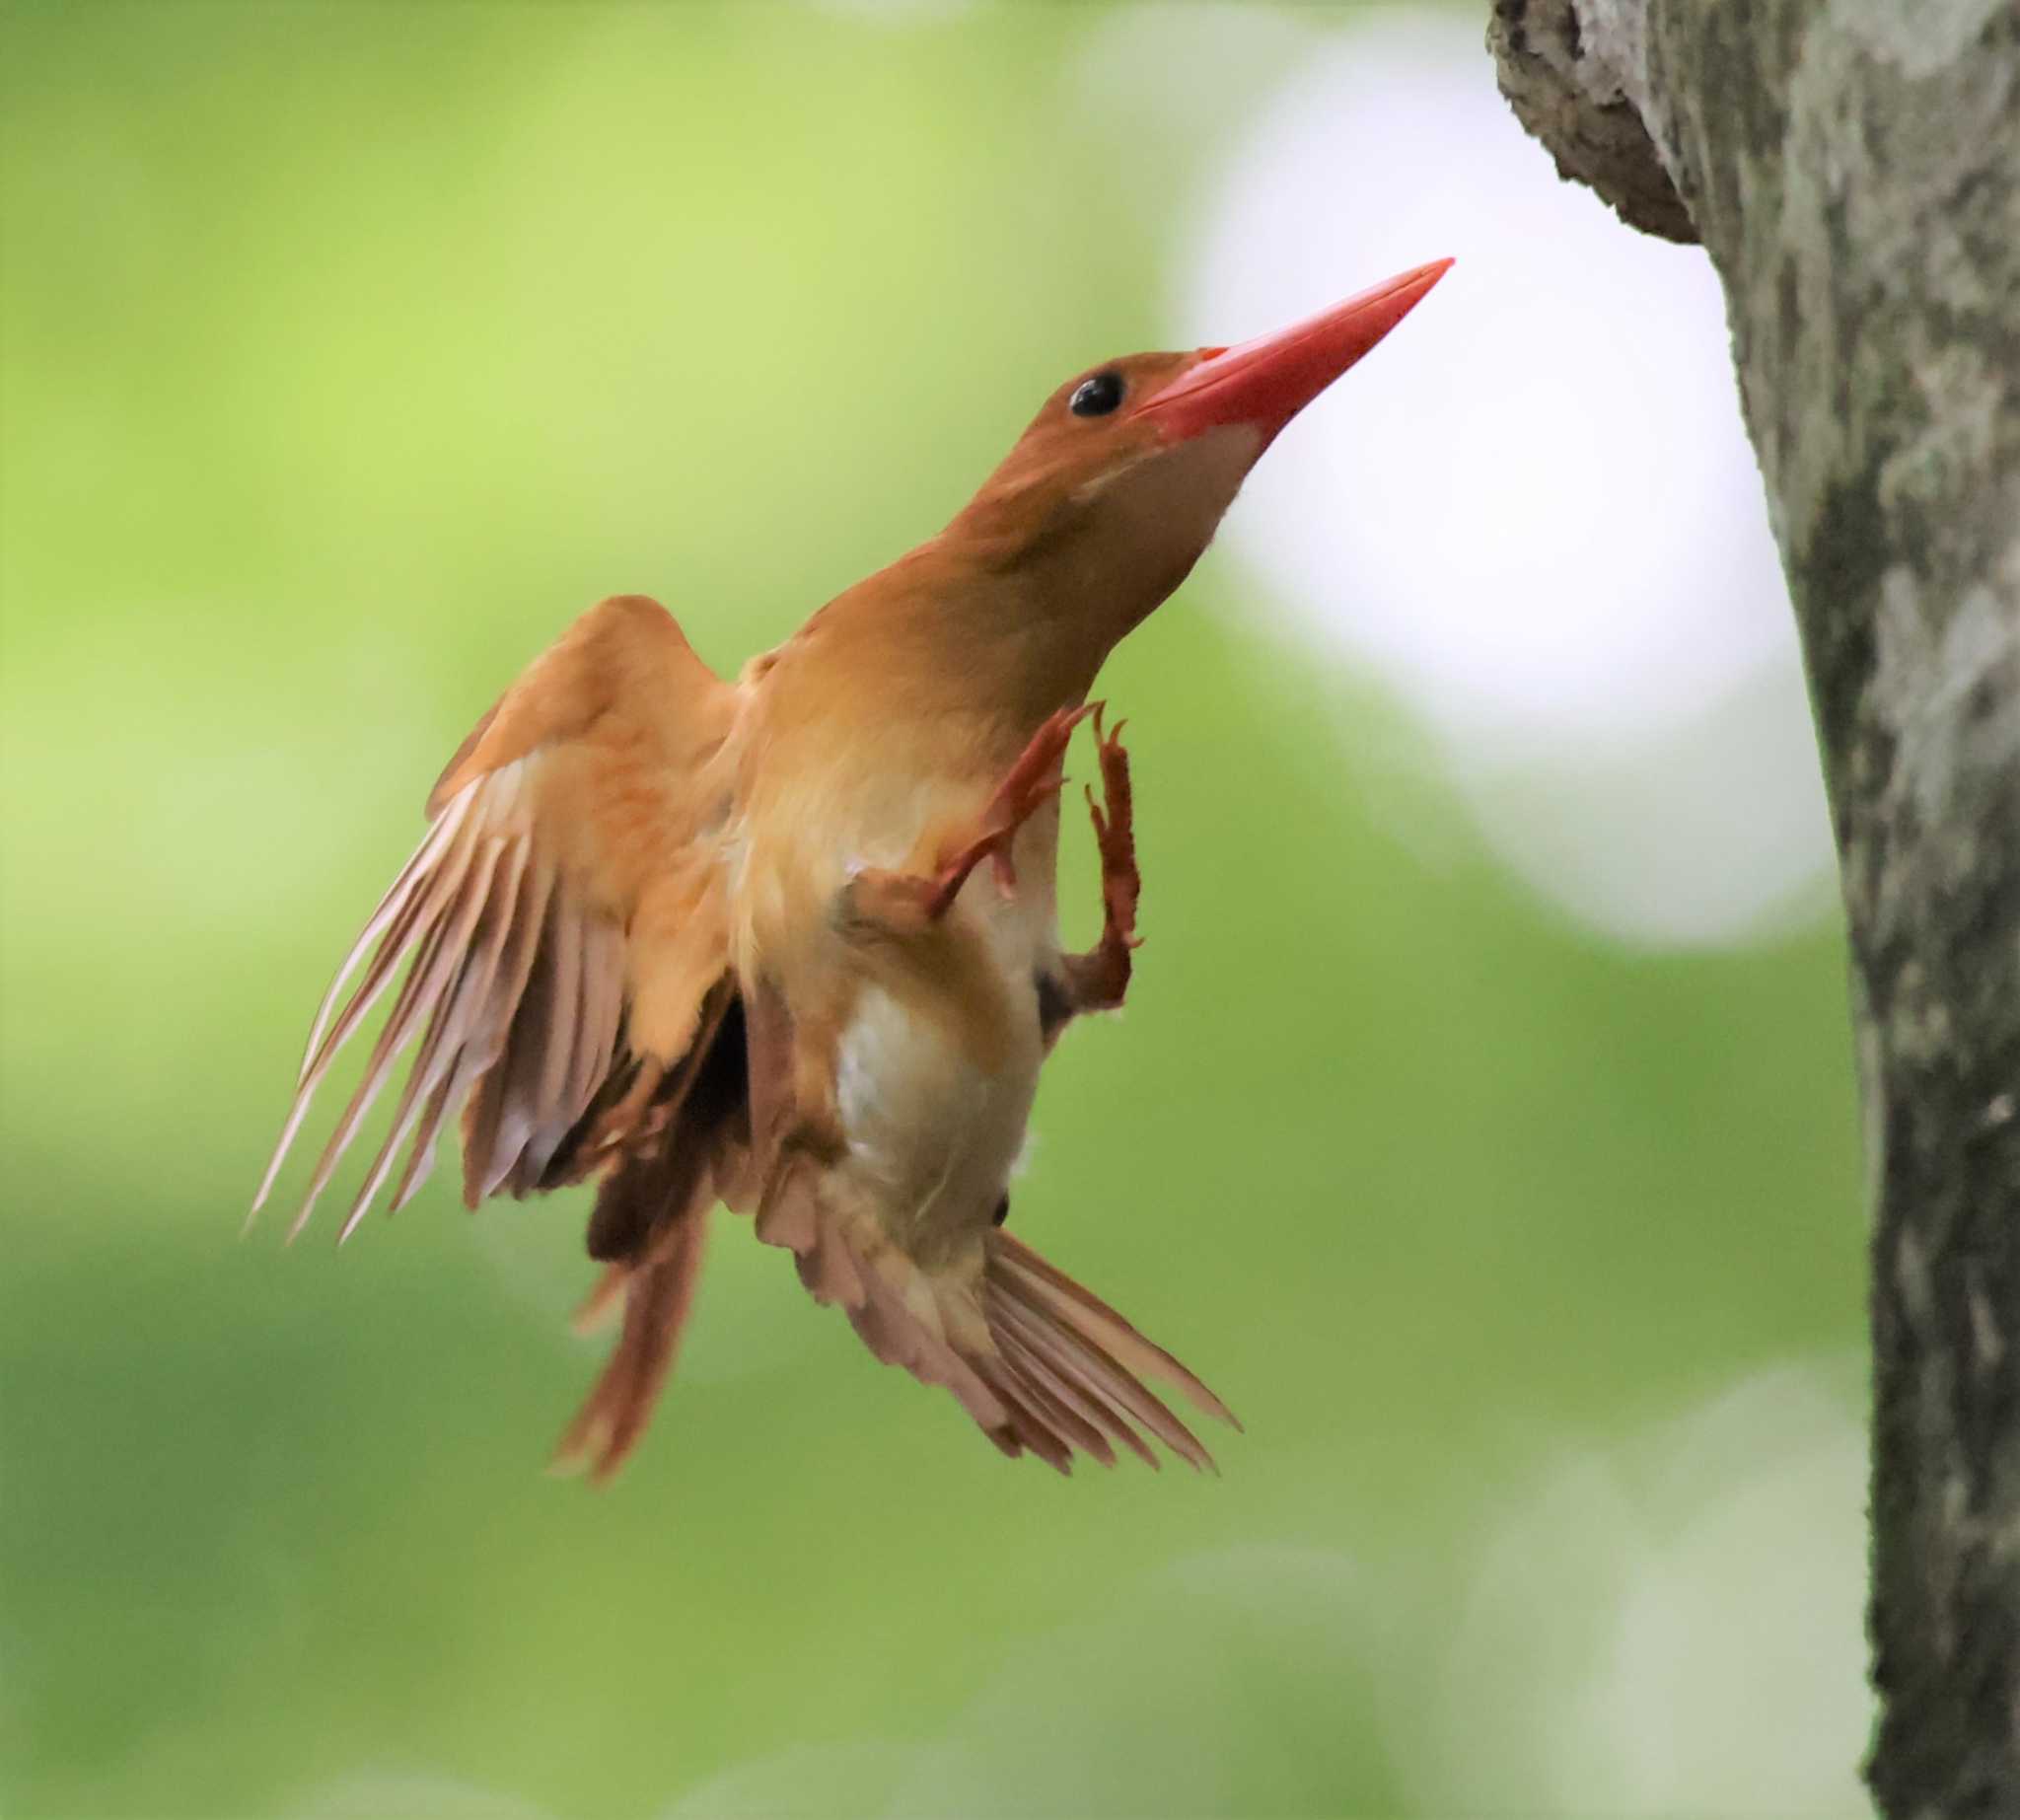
column 1115, row 834
column 1099, row 980
column 1036, row 780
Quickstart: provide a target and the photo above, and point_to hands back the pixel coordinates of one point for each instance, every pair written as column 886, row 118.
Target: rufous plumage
column 791, row 944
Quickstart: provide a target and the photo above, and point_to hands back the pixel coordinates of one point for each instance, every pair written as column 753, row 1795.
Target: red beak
column 1267, row 382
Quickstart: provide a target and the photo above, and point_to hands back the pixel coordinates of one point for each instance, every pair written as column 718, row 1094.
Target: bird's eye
column 1095, row 396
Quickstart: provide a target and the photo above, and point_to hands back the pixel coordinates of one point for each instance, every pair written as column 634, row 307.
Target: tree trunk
column 1852, row 167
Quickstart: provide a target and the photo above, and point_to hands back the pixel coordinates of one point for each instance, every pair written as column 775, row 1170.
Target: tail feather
column 1069, row 1385
column 1041, row 1365
column 1026, row 1419
column 1065, row 1344
column 894, row 1330
column 1085, row 1313
column 1052, row 1410
column 828, row 1269
column 658, row 1296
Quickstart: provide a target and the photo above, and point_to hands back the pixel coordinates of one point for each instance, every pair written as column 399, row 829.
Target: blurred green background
column 349, row 352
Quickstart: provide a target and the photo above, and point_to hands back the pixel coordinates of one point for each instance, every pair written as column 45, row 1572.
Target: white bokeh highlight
column 1533, row 512
column 895, row 12
column 1671, row 1627
column 809, row 1781
column 411, row 1794
column 1152, row 1704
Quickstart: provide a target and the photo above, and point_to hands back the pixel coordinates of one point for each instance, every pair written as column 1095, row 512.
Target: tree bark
column 1852, row 167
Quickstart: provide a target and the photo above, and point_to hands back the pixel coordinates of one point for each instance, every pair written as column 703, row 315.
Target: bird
column 788, row 944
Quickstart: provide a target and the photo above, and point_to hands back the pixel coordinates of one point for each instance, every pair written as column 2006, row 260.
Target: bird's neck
column 947, row 632
column 1009, row 614
column 1056, row 567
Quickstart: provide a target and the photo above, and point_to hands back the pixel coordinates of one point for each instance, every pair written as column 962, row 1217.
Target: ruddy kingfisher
column 790, row 943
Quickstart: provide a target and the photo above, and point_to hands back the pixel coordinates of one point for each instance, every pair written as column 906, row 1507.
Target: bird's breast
column 931, row 1041
column 936, row 1072
column 933, row 1133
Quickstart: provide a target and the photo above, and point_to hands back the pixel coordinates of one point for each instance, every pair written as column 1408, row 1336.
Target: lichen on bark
column 1853, row 168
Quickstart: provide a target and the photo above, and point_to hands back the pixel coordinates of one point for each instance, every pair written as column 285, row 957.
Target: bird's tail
column 1070, row 1371
column 1040, row 1364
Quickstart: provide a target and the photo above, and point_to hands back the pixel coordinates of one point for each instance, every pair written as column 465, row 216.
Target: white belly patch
column 931, row 1136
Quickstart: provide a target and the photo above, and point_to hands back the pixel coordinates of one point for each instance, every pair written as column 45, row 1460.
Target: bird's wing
column 650, row 1222
column 563, row 919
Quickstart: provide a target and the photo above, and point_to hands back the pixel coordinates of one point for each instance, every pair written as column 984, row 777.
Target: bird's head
column 1120, row 482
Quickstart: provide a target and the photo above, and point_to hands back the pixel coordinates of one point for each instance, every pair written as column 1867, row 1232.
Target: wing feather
column 441, row 1045
column 467, row 1036
column 549, row 1049
column 420, row 1160
column 485, row 1157
column 397, row 905
column 582, row 806
column 399, row 926
column 414, row 1001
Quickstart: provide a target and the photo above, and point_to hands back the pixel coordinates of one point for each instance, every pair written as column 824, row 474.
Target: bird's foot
column 1033, row 781
column 908, row 901
column 1098, row 979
